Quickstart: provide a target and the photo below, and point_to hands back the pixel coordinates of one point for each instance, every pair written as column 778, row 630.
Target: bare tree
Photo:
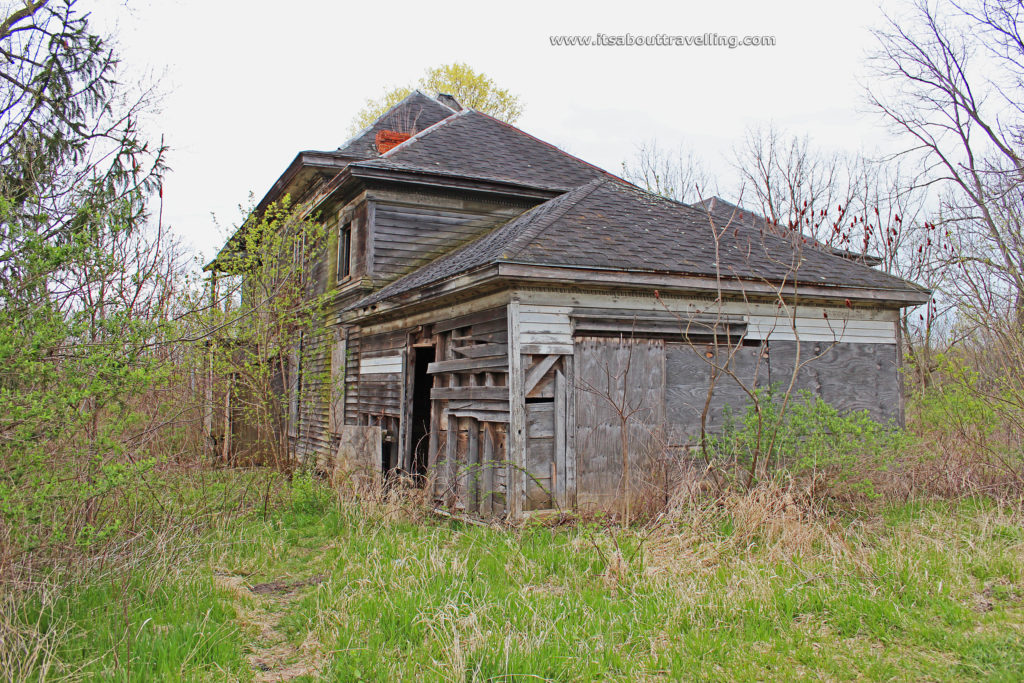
column 673, row 173
column 949, row 80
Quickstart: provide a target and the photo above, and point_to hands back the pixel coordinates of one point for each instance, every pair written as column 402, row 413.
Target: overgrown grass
column 751, row 587
column 718, row 593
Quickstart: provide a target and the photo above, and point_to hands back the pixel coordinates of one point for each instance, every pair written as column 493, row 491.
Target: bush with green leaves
column 803, row 438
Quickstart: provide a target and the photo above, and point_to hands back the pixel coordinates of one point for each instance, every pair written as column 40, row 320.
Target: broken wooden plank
column 492, row 363
column 490, row 337
column 479, row 404
column 480, row 350
column 482, row 416
column 534, row 375
column 469, row 319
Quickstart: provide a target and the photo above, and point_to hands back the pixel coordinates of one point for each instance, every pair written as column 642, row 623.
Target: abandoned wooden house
column 502, row 310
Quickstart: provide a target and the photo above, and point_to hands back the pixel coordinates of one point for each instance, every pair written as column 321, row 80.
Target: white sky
column 249, row 84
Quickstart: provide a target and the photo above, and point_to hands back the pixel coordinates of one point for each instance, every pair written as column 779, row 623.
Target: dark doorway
column 420, row 436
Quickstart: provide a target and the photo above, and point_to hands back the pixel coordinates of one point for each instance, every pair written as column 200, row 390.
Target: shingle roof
column 413, row 114
column 610, row 224
column 474, row 145
column 726, row 213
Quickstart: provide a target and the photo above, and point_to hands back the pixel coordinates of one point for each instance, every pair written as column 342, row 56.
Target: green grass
column 917, row 592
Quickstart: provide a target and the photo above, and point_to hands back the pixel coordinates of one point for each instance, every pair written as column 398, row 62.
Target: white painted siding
column 381, row 365
column 832, row 328
column 549, row 323
column 539, row 324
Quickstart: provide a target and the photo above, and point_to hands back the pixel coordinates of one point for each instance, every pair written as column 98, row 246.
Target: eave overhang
column 503, row 275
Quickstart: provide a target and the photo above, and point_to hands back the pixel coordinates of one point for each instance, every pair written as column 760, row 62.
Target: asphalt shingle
column 612, row 225
column 478, row 146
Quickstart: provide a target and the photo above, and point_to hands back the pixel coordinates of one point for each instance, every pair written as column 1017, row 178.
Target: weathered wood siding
column 470, row 406
column 312, row 433
column 630, row 357
column 381, row 374
column 410, row 231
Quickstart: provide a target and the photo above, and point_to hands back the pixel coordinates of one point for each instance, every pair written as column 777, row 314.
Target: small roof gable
column 609, row 224
column 412, row 115
column 474, row 145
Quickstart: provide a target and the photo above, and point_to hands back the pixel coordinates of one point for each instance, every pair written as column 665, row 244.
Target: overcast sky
column 246, row 85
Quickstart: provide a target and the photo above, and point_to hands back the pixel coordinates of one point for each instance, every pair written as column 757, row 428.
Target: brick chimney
column 388, row 139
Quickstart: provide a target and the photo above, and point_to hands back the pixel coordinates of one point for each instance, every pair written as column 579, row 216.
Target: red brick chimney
column 387, row 139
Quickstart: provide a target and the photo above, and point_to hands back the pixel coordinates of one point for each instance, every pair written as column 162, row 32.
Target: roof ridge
column 554, row 147
column 425, row 131
column 522, row 240
column 366, row 129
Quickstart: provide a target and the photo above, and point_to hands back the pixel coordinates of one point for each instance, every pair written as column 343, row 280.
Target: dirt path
column 260, row 608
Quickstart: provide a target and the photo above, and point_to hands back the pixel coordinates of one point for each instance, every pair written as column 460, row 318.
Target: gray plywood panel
column 850, row 376
column 689, row 370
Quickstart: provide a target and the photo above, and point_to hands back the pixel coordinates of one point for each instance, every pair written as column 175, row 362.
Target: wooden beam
column 569, row 366
column 467, row 393
column 493, row 363
column 482, row 415
column 405, row 419
column 516, row 481
column 451, row 458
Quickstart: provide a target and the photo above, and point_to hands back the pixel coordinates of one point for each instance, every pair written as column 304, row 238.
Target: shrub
column 805, row 439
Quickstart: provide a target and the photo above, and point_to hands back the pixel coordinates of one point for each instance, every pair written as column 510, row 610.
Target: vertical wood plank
column 473, row 465
column 404, row 398
column 569, row 365
column 434, row 442
column 516, row 481
column 451, row 485
column 487, row 475
column 559, row 473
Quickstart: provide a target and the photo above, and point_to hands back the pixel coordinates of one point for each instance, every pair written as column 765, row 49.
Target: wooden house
column 502, row 311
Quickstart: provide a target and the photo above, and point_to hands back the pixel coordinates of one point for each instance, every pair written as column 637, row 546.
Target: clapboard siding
column 552, row 324
column 380, row 373
column 821, row 329
column 545, row 325
column 313, row 436
column 352, row 376
column 407, row 237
